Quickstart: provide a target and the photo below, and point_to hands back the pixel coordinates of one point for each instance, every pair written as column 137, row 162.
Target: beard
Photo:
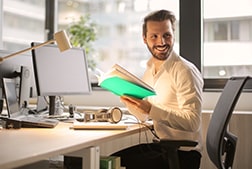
column 161, row 52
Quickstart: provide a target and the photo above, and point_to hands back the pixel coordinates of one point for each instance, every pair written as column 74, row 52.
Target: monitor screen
column 9, row 86
column 18, row 67
column 60, row 73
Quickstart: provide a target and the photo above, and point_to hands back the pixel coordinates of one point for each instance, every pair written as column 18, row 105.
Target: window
column 220, row 31
column 22, row 23
column 227, row 39
column 235, row 30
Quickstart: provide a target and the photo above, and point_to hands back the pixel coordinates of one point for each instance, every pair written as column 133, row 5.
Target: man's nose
column 161, row 40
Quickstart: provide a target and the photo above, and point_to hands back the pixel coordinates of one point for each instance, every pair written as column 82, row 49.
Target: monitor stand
column 52, row 104
column 1, row 105
column 24, row 89
column 55, row 106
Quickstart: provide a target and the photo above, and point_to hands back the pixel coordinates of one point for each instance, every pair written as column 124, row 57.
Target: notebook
column 21, row 114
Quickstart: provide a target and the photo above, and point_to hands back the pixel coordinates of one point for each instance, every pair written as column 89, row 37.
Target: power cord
column 151, row 130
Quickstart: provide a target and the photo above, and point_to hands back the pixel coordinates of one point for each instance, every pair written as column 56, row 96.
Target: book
column 113, row 162
column 121, row 82
column 105, row 162
column 116, row 162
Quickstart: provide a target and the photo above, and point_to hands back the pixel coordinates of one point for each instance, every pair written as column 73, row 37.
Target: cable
column 151, row 130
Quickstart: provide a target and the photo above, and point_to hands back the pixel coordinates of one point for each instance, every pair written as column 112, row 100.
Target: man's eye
column 153, row 36
column 167, row 35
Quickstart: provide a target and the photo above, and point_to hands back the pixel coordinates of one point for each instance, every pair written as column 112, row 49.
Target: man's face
column 159, row 38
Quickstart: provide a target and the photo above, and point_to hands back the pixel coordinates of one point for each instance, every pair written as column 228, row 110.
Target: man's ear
column 144, row 39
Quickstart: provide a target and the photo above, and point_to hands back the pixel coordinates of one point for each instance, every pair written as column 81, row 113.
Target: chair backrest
column 219, row 141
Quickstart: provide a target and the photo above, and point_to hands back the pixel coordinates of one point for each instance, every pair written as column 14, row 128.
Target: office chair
column 220, row 143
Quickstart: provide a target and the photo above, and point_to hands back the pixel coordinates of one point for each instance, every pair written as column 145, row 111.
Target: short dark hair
column 159, row 15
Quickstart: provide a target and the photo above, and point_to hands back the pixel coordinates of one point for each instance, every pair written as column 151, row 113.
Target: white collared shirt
column 177, row 105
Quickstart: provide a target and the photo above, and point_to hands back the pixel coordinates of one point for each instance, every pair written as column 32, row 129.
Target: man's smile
column 162, row 48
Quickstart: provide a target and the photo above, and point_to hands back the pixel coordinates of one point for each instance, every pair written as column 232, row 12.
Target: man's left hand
column 143, row 106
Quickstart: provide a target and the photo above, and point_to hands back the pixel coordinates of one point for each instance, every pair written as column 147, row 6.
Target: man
column 176, row 107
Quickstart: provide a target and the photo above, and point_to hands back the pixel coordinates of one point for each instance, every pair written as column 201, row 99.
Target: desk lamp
column 60, row 37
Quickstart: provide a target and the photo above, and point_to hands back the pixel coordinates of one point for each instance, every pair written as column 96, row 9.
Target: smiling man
column 176, row 107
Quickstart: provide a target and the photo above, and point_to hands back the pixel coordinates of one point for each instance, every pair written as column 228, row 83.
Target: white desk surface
column 27, row 145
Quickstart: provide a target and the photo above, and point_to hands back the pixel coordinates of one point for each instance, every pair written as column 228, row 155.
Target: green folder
column 122, row 87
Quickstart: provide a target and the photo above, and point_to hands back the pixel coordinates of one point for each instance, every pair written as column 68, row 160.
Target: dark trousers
column 153, row 156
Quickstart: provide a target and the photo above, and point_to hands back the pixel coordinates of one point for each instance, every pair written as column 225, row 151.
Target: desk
column 28, row 145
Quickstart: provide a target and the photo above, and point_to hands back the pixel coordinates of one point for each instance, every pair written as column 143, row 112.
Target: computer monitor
column 60, row 73
column 20, row 68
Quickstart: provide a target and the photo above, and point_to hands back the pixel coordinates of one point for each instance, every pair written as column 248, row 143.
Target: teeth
column 161, row 48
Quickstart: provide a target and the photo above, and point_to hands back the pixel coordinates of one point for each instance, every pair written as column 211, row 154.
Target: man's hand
column 139, row 105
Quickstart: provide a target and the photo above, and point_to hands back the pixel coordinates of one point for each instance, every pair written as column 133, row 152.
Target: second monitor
column 60, row 73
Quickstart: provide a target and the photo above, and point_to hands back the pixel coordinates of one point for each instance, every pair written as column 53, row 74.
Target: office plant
column 82, row 33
